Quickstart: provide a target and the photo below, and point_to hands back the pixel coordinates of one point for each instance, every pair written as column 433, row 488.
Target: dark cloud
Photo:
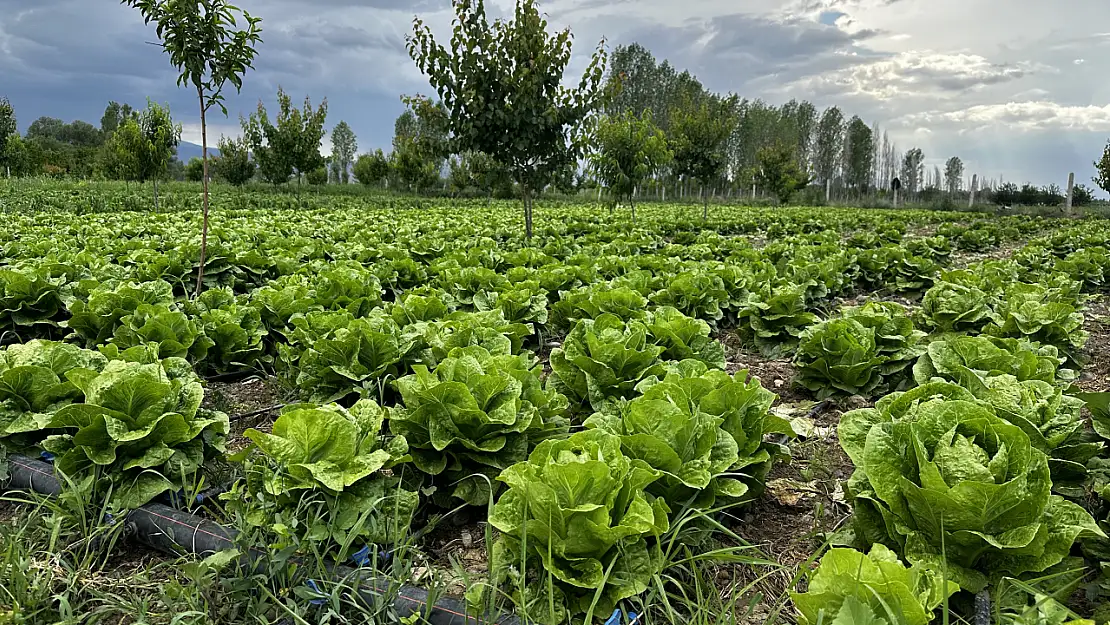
column 68, row 58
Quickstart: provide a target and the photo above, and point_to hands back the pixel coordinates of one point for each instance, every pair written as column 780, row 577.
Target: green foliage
column 202, row 43
column 30, row 302
column 604, row 359
column 372, row 169
column 344, row 145
column 1102, row 169
column 33, row 385
column 520, row 118
column 629, row 149
column 684, row 338
column 949, row 307
column 779, row 172
column 96, row 320
column 944, row 480
column 850, row 587
column 289, row 145
column 333, row 459
column 1043, row 315
column 473, row 416
column 699, row 135
column 235, row 331
column 859, row 154
column 141, row 425
column 866, row 351
column 317, row 177
column 171, row 333
column 704, row 430
column 963, row 359
column 344, row 356
column 578, row 512
column 7, row 130
column 194, row 170
column 775, row 319
column 234, row 165
column 143, row 146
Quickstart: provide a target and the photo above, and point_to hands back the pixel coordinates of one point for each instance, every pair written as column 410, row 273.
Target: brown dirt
column 776, row 375
column 803, row 506
column 961, row 259
column 245, row 397
column 1095, row 377
column 460, row 554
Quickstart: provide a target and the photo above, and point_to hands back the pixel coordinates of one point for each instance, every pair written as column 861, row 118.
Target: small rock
column 467, row 539
column 779, row 383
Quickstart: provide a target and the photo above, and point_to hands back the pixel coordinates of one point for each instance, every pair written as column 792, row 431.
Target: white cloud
column 917, row 73
column 1018, row 116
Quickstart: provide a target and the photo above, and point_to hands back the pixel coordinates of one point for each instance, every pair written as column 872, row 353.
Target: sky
column 1016, row 88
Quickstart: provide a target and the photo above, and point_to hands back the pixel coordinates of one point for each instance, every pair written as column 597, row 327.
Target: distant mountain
column 187, row 151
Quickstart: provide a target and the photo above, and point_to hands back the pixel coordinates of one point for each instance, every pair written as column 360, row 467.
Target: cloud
column 948, row 75
column 916, row 74
column 1018, row 116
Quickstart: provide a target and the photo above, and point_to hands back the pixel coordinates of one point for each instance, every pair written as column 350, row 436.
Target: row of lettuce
column 430, row 356
column 977, row 469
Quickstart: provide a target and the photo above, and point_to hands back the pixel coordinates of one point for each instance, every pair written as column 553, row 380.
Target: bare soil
column 252, row 397
column 803, row 506
column 1095, row 377
column 776, row 375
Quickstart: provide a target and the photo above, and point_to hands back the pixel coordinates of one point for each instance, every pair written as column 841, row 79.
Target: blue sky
column 1016, row 88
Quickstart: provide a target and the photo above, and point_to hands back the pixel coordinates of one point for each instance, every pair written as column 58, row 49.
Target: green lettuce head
column 854, row 588
column 943, row 480
column 578, row 510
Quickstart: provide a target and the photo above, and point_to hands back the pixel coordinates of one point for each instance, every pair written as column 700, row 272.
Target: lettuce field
column 387, row 409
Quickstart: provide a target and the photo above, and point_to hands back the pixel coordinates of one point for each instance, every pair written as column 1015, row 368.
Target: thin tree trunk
column 527, row 213
column 204, row 159
column 156, row 195
column 632, row 201
column 705, row 205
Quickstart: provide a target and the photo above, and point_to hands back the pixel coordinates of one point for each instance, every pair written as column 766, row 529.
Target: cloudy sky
column 1017, row 88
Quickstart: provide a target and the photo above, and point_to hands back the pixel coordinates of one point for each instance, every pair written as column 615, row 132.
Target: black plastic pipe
column 174, row 532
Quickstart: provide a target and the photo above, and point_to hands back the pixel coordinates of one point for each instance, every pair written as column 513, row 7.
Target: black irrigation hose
column 255, row 413
column 173, row 531
column 983, row 607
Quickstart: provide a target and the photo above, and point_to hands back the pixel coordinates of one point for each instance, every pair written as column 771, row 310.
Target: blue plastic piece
column 364, row 556
column 617, row 618
column 47, row 456
column 316, row 589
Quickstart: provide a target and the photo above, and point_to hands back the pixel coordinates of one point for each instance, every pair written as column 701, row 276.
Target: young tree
column 206, row 46
column 234, row 165
column 829, row 145
column 779, row 172
column 372, row 168
column 502, row 83
column 953, row 174
column 629, row 149
column 114, row 116
column 420, row 143
column 859, row 154
column 700, row 133
column 1081, row 195
column 1102, row 167
column 7, row 130
column 144, row 145
column 913, row 170
column 195, row 170
column 344, row 145
column 291, row 144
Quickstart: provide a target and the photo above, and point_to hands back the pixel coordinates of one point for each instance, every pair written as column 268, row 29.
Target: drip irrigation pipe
column 174, row 532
